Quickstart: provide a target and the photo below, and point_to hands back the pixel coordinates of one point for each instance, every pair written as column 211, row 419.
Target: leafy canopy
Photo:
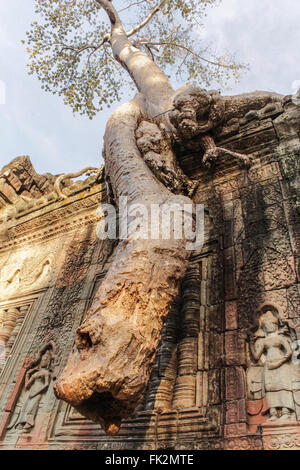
column 69, row 55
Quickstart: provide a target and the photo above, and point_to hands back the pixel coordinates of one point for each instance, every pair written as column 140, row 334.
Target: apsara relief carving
column 273, row 378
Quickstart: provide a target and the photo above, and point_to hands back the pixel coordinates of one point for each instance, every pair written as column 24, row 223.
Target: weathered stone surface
column 19, row 180
column 52, row 266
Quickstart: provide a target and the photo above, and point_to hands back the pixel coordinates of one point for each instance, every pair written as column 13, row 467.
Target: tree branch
column 149, row 79
column 190, row 51
column 111, row 11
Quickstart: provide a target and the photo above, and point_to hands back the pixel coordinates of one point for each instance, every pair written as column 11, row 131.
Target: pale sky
column 263, row 33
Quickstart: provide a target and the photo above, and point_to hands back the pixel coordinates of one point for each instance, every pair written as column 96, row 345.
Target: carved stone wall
column 203, row 392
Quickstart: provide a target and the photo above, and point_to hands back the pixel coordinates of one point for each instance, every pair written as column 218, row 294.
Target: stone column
column 185, row 386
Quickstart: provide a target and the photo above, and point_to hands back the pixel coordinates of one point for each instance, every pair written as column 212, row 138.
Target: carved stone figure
column 37, row 381
column 274, row 378
column 199, row 113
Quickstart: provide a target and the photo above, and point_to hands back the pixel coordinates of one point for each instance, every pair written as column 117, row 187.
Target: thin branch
column 115, row 19
column 190, row 51
column 87, row 46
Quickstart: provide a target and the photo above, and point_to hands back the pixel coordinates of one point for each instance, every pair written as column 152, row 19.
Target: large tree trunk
column 107, row 374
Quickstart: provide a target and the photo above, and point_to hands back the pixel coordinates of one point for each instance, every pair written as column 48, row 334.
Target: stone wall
column 201, row 394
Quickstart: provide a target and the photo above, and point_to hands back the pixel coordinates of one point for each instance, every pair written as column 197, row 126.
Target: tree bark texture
column 108, row 371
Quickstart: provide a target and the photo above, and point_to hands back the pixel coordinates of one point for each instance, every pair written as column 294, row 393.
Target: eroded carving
column 274, row 378
column 8, row 319
column 19, row 314
column 22, row 274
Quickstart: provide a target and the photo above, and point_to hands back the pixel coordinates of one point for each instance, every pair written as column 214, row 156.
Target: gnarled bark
column 107, row 373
